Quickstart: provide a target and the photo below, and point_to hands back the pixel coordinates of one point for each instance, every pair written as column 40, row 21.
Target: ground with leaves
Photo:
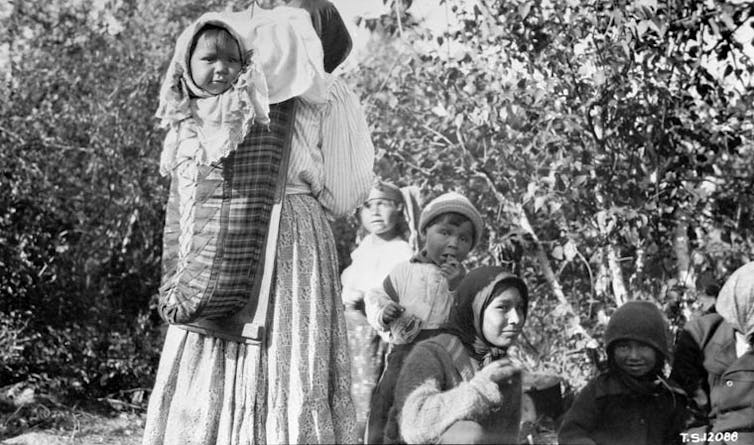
column 75, row 427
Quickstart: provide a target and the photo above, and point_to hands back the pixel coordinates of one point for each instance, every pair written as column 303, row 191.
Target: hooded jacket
column 617, row 409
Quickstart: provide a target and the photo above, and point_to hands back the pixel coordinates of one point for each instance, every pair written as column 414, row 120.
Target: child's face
column 379, row 216
column 215, row 61
column 445, row 240
column 634, row 357
column 503, row 318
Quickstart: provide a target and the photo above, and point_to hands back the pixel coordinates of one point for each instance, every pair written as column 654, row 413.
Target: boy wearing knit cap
column 416, row 298
column 631, row 403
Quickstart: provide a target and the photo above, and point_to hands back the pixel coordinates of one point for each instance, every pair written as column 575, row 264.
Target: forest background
column 609, row 144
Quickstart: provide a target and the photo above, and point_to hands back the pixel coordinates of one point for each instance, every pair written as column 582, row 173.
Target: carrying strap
column 249, row 324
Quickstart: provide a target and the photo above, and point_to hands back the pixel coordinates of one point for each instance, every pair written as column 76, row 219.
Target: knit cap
column 641, row 321
column 453, row 202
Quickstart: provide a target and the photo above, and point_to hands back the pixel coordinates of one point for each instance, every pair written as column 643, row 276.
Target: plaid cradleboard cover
column 217, row 233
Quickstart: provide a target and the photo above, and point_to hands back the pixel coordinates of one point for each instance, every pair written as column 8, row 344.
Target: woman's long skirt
column 296, row 389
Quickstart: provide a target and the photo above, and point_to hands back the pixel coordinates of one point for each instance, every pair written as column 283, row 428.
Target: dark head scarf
column 332, row 31
column 478, row 288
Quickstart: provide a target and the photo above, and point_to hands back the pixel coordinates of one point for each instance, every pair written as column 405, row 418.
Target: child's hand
column 392, row 311
column 452, row 270
column 500, row 370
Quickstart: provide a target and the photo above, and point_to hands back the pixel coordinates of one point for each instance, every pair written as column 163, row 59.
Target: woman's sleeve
column 347, row 152
column 580, row 419
column 425, row 410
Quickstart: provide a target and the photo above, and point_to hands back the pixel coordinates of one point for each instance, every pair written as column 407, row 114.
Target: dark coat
column 607, row 412
column 720, row 384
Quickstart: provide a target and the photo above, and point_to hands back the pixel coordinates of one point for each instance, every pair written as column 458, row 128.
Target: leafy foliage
column 592, row 135
column 608, row 144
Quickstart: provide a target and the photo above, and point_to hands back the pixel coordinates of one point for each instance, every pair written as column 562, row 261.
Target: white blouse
column 371, row 262
column 422, row 290
column 332, row 155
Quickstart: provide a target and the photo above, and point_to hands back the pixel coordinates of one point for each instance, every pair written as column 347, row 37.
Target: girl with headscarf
column 714, row 364
column 460, row 386
column 287, row 378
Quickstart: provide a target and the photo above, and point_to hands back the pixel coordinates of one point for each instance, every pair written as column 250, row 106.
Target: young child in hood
column 714, row 363
column 460, row 386
column 416, row 298
column 631, row 403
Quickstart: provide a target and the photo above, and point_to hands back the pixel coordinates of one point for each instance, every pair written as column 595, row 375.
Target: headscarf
column 735, row 302
column 332, row 31
column 478, row 288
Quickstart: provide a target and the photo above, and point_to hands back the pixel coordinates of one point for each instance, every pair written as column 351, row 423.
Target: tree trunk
column 616, row 275
column 606, row 225
column 686, row 275
column 572, row 317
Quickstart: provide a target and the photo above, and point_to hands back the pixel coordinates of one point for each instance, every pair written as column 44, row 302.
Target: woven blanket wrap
column 217, row 221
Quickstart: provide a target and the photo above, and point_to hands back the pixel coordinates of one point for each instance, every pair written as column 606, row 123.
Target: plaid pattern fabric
column 214, row 244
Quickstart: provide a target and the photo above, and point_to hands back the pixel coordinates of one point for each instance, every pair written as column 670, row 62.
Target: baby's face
column 634, row 357
column 215, row 61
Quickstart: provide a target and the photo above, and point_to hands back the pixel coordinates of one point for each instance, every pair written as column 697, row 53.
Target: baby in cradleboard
column 417, row 297
column 461, row 386
column 632, row 403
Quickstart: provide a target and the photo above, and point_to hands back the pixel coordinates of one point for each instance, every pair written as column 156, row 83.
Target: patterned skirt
column 297, row 388
column 367, row 361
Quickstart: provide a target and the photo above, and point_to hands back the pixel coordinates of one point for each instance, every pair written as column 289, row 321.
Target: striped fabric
column 332, row 155
column 217, row 223
column 457, row 352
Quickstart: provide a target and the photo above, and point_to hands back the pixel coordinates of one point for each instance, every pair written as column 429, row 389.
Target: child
column 459, row 386
column 385, row 218
column 714, row 363
column 631, row 403
column 295, row 387
column 416, row 298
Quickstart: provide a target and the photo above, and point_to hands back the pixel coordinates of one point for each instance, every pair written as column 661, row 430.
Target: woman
column 460, row 386
column 213, row 387
column 714, row 364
